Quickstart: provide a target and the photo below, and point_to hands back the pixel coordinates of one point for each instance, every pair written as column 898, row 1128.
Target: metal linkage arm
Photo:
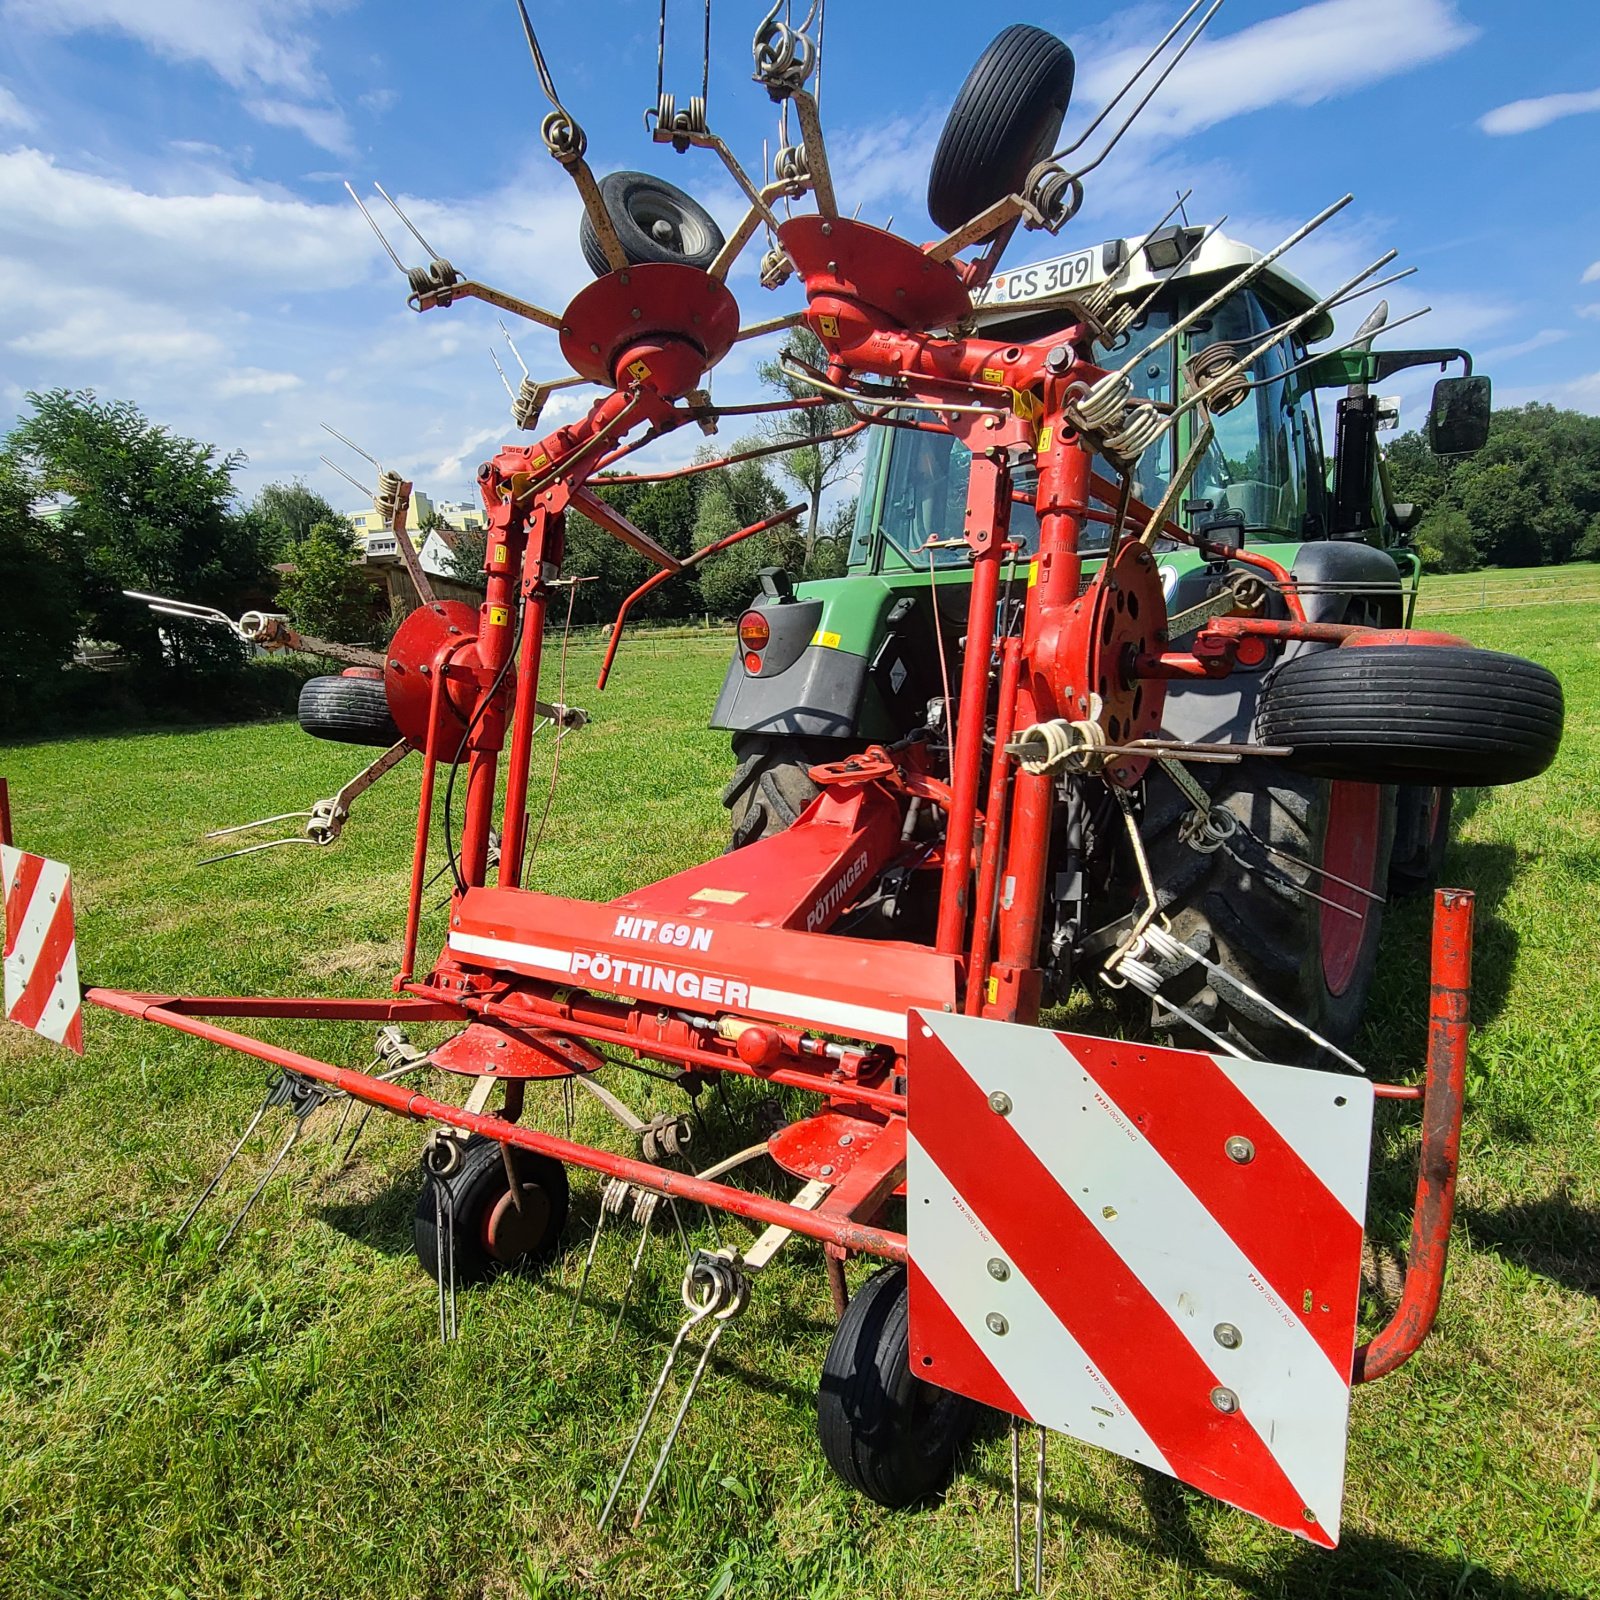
column 656, row 579
column 1444, row 1090
column 619, row 527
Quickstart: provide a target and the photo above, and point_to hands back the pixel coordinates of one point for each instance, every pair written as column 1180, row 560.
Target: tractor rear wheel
column 492, row 1232
column 1421, row 837
column 884, row 1431
column 1312, row 960
column 770, row 786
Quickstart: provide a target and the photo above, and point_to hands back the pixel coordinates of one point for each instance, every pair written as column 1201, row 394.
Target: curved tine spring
column 1144, row 66
column 433, row 255
column 1166, row 72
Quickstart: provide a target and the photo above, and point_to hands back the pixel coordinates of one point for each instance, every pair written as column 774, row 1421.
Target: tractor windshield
column 914, row 485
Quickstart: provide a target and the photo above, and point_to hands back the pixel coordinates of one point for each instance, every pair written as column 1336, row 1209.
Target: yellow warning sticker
column 1046, row 438
column 720, row 897
column 500, row 554
column 828, row 641
column 1033, row 574
column 539, row 463
column 639, row 370
column 994, row 375
column 828, row 327
column 498, row 616
column 994, row 990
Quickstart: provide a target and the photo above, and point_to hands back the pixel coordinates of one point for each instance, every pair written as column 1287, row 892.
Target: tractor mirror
column 1458, row 420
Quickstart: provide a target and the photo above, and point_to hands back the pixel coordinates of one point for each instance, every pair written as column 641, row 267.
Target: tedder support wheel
column 1311, row 960
column 770, row 786
column 1004, row 120
column 351, row 708
column 883, row 1430
column 492, row 1233
column 655, row 220
column 1406, row 713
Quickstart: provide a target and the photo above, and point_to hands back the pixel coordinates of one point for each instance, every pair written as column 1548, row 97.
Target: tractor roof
column 1042, row 285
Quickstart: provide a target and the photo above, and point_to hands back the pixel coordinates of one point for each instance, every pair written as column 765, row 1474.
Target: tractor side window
column 1152, row 380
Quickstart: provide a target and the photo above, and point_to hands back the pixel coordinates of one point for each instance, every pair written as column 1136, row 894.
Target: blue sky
column 173, row 230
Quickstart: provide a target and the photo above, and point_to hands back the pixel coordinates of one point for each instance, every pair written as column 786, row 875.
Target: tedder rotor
column 1152, row 1249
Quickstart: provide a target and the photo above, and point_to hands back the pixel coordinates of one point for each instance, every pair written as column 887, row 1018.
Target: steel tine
column 353, row 482
column 252, row 849
column 695, row 1317
column 1272, row 849
column 353, row 445
column 502, row 371
column 1016, row 1505
column 375, row 228
column 567, row 1108
column 633, row 1270
column 245, row 827
column 513, row 343
column 232, row 1156
column 360, row 1128
column 444, row 1255
column 277, row 1161
column 1038, row 1518
column 677, row 1421
column 410, row 225
column 583, row 1277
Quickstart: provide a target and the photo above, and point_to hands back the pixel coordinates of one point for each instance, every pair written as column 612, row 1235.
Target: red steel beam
column 1443, row 1092
column 760, row 1208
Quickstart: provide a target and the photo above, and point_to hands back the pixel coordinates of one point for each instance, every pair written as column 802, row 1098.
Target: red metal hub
column 855, row 261
column 659, row 304
column 419, row 648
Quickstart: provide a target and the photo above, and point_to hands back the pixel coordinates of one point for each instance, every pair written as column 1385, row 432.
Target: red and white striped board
column 1155, row 1251
column 41, row 948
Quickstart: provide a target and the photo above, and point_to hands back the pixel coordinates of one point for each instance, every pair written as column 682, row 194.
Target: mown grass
column 1577, row 583
column 281, row 1421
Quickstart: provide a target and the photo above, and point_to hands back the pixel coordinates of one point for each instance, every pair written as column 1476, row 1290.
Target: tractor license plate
column 1045, row 278
column 1155, row 1251
column 41, row 948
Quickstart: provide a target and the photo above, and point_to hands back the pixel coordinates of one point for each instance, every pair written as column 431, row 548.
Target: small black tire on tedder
column 655, row 221
column 493, row 1233
column 1434, row 714
column 351, row 708
column 884, row 1431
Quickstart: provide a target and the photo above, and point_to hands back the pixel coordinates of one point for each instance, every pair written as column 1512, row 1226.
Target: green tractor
column 823, row 668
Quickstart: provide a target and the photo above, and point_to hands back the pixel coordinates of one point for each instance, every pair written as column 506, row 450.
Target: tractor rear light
column 754, row 631
column 752, row 663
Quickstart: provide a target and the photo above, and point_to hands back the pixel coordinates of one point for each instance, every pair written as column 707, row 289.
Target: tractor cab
column 858, row 656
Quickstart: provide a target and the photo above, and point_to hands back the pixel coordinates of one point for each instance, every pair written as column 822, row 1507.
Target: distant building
column 463, row 516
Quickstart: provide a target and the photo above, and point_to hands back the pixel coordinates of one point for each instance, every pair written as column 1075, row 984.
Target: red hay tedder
column 1153, row 1249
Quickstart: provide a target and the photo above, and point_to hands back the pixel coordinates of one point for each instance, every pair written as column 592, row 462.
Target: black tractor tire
column 1005, row 120
column 351, row 709
column 656, row 222
column 883, row 1430
column 1309, row 960
column 1421, row 837
column 476, row 1187
column 1446, row 715
column 770, row 786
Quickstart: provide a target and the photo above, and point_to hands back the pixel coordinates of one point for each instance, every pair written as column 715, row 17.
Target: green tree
column 150, row 510
column 289, row 511
column 1445, row 541
column 325, row 592
column 42, row 581
column 732, row 498
column 815, row 461
column 466, row 558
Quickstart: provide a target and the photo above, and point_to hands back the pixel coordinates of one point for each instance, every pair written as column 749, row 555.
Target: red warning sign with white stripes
column 41, row 951
column 1155, row 1251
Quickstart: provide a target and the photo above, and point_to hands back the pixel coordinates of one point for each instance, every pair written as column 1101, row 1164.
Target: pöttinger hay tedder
column 1149, row 1247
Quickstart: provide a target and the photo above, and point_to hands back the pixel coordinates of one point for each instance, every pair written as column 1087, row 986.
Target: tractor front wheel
column 883, row 1430
column 494, row 1230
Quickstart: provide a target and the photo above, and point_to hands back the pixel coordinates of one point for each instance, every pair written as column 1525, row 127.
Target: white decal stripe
column 37, row 916
column 10, row 862
column 530, row 955
column 1041, row 1363
column 1288, row 1389
column 57, row 1019
column 1279, row 1094
column 840, row 1016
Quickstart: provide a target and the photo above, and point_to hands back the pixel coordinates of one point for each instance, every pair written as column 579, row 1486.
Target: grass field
column 1578, row 583
column 281, row 1421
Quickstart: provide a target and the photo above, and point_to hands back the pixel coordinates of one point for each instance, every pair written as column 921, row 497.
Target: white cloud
column 323, row 126
column 252, row 45
column 1591, row 273
column 13, row 114
column 1523, row 116
column 1581, row 393
column 257, row 380
column 1591, row 311
column 1299, row 58
column 1542, row 340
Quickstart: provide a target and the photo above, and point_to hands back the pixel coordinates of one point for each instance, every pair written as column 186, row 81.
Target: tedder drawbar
column 1152, row 1249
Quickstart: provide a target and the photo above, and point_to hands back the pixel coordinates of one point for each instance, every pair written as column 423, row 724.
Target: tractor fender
column 1337, row 574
